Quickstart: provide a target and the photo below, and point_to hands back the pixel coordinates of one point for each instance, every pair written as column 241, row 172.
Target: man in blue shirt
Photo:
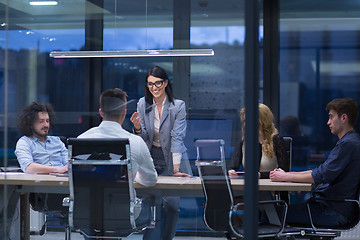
column 37, row 152
column 337, row 178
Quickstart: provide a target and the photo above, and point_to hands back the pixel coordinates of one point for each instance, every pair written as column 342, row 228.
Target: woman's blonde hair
column 266, row 128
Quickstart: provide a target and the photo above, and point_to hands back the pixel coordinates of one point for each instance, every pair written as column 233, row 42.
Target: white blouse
column 156, row 140
column 266, row 164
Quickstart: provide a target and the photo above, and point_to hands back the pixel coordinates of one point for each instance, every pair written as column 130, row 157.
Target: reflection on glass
column 319, row 60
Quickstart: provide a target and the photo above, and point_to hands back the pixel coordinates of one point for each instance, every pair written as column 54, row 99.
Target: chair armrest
column 318, row 198
column 282, row 203
column 315, row 198
column 263, row 202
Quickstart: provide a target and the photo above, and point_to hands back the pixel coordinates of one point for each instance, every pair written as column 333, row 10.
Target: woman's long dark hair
column 158, row 72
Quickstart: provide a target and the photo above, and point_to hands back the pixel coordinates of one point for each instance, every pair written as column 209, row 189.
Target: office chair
column 314, row 231
column 221, row 213
column 64, row 140
column 51, row 204
column 103, row 201
column 288, row 148
column 284, row 195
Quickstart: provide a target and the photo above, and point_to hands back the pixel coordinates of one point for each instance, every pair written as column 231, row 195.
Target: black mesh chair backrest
column 288, row 149
column 216, row 185
column 217, row 198
column 101, row 189
column 92, row 146
column 64, row 140
column 210, row 149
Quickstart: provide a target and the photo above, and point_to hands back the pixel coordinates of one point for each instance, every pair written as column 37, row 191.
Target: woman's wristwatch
column 176, row 171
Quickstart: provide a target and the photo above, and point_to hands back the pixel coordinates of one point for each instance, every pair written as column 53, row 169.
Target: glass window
column 212, row 87
column 319, row 52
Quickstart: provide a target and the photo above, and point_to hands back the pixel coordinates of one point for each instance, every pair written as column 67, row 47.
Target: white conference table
column 178, row 186
column 165, row 186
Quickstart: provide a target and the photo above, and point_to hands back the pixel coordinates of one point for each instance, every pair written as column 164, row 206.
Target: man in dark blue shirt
column 337, row 178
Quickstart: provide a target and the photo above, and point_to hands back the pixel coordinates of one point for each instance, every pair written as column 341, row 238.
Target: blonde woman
column 272, row 146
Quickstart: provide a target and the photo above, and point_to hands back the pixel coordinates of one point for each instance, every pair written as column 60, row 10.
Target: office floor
column 351, row 235
column 77, row 236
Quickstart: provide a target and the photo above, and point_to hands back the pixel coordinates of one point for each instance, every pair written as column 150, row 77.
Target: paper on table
column 12, row 173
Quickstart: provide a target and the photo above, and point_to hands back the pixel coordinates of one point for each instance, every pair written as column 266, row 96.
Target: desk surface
column 165, row 186
column 163, row 183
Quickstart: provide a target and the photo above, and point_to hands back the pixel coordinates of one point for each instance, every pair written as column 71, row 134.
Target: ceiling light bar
column 43, row 3
column 135, row 53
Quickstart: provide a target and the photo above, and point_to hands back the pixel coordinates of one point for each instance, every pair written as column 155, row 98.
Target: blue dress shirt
column 339, row 176
column 31, row 150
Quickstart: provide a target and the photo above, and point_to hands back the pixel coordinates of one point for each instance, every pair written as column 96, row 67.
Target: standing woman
column 161, row 121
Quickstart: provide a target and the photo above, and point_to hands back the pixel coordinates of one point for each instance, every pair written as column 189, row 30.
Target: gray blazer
column 172, row 130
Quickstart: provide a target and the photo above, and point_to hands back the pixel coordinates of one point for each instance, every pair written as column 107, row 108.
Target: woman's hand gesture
column 136, row 121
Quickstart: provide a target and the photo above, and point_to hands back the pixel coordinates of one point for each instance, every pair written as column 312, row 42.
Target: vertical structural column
column 251, row 120
column 271, row 57
column 93, row 66
column 181, row 38
column 5, row 127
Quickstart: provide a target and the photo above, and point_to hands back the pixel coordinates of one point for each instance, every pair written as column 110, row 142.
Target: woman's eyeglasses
column 157, row 84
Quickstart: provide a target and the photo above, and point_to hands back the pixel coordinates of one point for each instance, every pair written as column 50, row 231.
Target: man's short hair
column 112, row 103
column 346, row 106
column 29, row 115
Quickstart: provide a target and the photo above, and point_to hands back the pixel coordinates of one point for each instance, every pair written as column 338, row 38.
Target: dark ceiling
column 159, row 13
